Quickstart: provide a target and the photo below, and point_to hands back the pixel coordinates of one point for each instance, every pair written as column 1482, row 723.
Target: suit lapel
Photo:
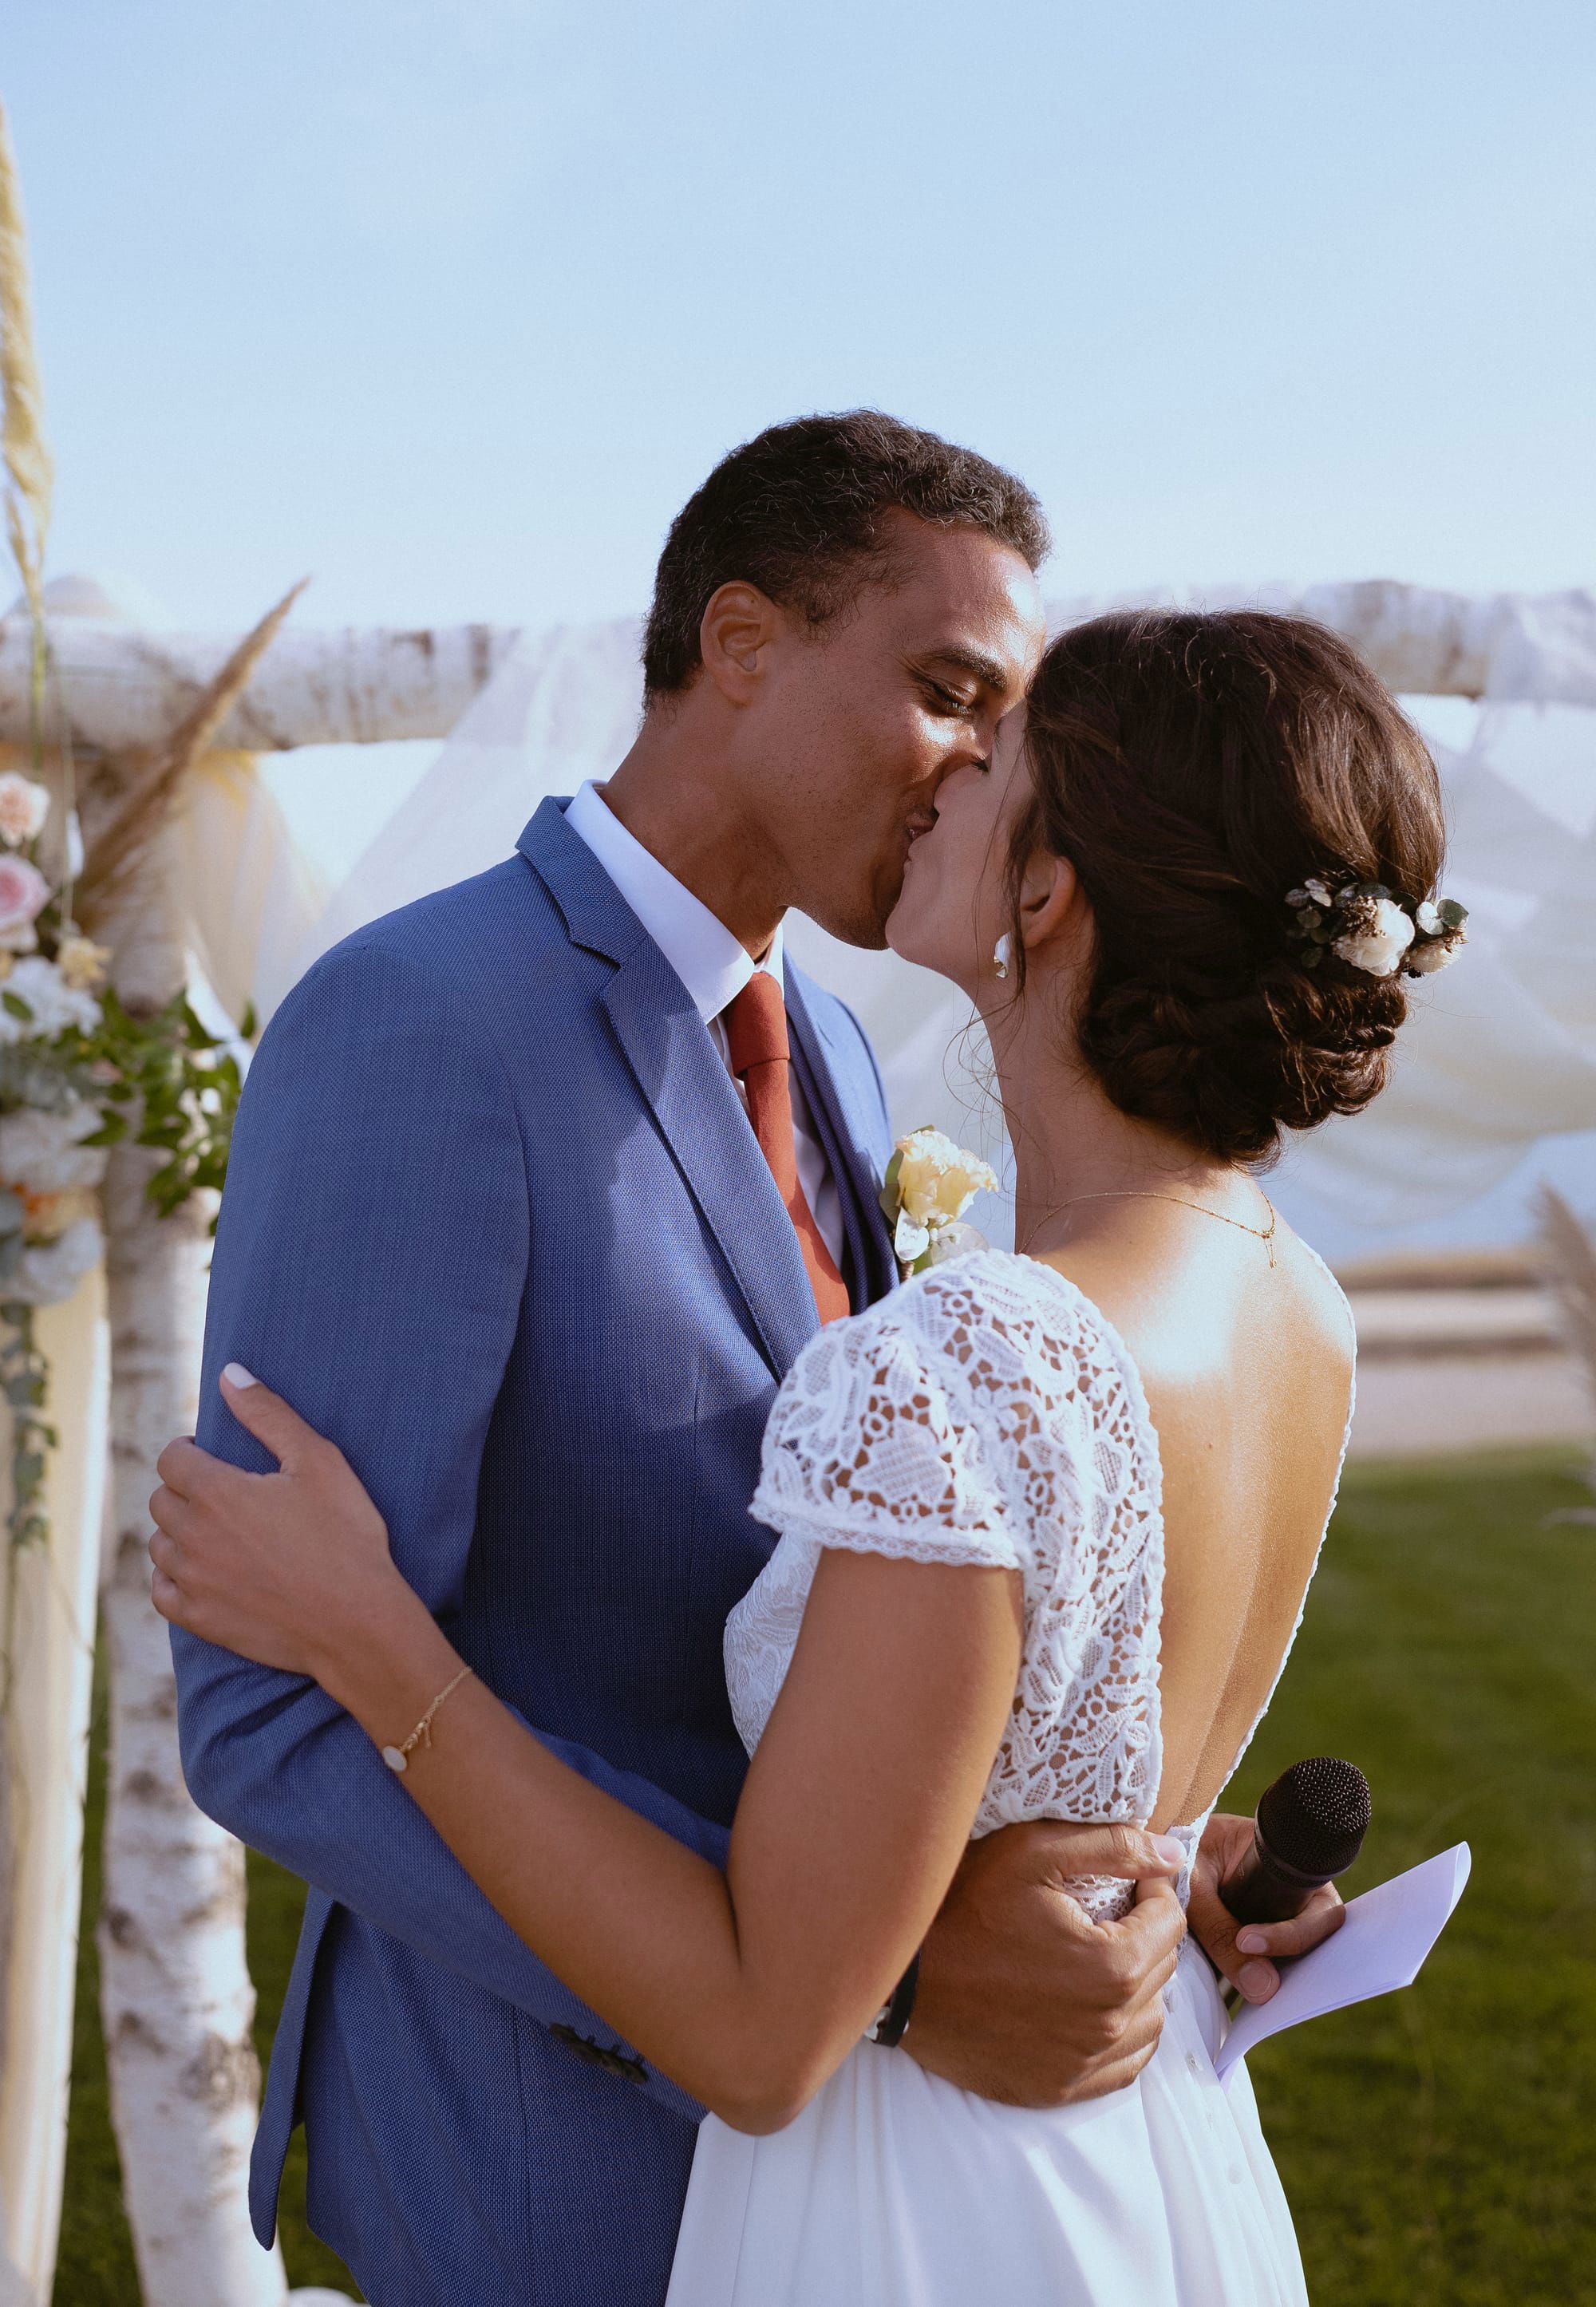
column 687, row 1087
column 701, row 1118
column 847, row 1126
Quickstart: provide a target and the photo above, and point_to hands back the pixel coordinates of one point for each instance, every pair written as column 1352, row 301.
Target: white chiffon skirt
column 896, row 2189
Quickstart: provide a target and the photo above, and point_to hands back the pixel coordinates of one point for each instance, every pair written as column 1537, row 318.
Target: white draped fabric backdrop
column 1499, row 1055
column 1498, row 1060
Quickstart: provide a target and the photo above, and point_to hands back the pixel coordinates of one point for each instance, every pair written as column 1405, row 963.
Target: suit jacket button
column 614, row 2061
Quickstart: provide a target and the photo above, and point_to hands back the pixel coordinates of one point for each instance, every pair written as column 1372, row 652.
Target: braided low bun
column 1195, row 768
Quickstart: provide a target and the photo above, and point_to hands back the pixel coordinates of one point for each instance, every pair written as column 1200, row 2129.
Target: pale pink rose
column 23, row 808
column 25, row 893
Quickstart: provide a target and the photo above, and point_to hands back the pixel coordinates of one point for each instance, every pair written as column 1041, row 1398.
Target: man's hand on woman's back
column 1022, row 1998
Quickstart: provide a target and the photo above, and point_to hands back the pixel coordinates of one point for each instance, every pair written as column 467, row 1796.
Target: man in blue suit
column 507, row 1220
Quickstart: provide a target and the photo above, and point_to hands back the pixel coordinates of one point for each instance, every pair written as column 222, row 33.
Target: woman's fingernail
column 238, row 1378
column 1169, row 1849
column 1252, row 1941
column 1255, row 1980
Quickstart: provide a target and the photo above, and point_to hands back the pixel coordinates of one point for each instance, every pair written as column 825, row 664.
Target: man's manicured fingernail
column 1255, row 1980
column 1251, row 1942
column 1169, row 1849
column 238, row 1378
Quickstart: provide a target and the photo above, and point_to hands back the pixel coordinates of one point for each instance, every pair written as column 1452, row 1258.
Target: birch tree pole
column 175, row 1997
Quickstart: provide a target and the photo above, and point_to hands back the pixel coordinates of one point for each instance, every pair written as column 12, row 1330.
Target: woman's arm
column 747, row 1988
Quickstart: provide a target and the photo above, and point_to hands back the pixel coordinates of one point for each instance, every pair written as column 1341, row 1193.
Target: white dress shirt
column 712, row 967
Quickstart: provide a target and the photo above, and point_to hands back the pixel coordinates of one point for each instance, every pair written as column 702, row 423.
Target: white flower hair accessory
column 931, row 1182
column 1376, row 929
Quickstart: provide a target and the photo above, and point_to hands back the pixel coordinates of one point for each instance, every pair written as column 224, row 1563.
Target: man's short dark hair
column 797, row 511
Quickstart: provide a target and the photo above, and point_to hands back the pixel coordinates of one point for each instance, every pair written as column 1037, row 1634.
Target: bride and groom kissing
column 567, row 1437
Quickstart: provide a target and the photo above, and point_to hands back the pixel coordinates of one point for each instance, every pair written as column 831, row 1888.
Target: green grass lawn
column 1437, row 2146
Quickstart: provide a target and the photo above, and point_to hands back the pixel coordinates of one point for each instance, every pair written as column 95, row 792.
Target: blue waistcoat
column 496, row 1222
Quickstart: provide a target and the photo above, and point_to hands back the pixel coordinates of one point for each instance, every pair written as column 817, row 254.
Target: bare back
column 1247, row 1368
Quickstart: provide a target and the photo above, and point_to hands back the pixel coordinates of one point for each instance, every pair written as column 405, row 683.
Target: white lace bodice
column 985, row 1414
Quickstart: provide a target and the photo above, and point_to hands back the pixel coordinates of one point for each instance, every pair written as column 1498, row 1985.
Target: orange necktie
column 762, row 1058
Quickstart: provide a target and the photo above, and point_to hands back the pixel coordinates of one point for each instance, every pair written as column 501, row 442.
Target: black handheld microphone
column 1309, row 1827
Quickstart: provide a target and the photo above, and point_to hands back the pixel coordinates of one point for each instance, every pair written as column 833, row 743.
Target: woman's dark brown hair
column 1193, row 768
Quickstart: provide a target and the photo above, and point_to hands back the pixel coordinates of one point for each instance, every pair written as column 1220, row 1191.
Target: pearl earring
column 1003, row 953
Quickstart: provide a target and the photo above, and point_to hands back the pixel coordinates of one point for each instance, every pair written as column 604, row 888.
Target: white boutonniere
column 931, row 1182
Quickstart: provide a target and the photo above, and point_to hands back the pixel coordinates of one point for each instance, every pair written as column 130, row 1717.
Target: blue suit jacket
column 496, row 1222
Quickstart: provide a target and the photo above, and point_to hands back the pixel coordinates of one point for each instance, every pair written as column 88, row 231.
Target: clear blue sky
column 452, row 302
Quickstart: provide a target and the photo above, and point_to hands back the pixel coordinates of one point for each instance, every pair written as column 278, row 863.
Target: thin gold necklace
column 1265, row 1234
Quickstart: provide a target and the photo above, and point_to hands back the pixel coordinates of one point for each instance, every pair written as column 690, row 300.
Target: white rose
column 935, row 1183
column 23, row 808
column 52, row 1005
column 1427, row 918
column 1385, row 934
column 49, row 1273
column 938, row 1180
column 41, row 1152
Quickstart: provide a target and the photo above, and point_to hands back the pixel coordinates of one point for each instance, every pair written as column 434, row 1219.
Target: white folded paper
column 1381, row 1946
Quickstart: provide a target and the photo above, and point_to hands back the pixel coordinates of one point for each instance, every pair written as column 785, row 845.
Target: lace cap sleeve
column 867, row 1448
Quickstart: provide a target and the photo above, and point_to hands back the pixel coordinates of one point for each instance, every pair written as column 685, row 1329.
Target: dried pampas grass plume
column 1568, row 1260
column 30, row 474
column 154, row 776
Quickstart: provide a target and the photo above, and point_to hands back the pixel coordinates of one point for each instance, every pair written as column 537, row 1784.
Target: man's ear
column 1051, row 902
column 736, row 635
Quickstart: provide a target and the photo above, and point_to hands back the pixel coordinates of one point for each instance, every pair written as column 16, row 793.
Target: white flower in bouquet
column 931, row 1183
column 25, row 893
column 43, row 1153
column 1381, row 933
column 24, row 806
column 51, row 1003
column 49, row 1272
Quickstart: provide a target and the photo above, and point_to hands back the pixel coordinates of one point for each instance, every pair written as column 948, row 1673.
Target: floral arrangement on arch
column 77, row 1073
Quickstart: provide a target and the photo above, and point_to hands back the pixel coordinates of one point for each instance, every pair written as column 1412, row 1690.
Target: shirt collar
column 710, row 962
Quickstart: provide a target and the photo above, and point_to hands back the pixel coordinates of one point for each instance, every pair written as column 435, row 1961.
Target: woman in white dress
column 1046, row 1518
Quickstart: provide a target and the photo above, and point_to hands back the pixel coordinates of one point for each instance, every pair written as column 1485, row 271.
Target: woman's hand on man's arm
column 287, row 1568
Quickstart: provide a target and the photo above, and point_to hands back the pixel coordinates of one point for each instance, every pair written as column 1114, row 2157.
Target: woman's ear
column 735, row 636
column 1050, row 901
